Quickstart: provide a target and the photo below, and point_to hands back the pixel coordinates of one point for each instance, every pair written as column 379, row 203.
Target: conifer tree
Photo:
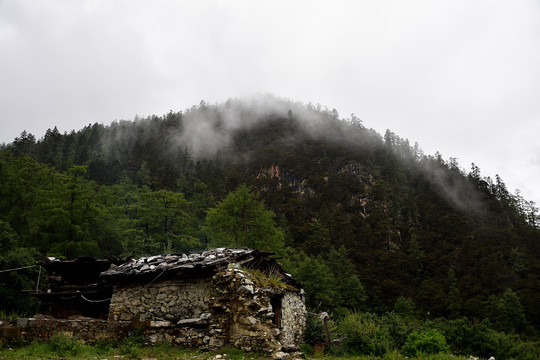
column 241, row 220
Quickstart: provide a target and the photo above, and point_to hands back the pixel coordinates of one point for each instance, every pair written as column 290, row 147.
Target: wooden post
column 324, row 316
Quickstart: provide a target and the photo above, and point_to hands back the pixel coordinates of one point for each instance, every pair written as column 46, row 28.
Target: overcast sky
column 458, row 77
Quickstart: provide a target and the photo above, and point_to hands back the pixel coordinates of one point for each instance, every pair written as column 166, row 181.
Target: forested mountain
column 364, row 221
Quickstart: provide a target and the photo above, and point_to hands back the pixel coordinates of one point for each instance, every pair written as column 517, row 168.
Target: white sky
column 461, row 77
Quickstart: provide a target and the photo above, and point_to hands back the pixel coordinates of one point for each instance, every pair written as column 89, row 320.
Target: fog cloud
column 460, row 77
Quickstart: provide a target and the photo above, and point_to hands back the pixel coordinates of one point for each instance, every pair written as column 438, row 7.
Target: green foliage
column 501, row 345
column 12, row 298
column 453, row 299
column 364, row 334
column 12, row 315
column 56, row 213
column 63, row 345
column 367, row 219
column 314, row 331
column 168, row 214
column 329, row 283
column 131, row 345
column 506, row 312
column 526, row 350
column 350, row 291
column 367, row 333
column 318, row 241
column 404, row 306
column 465, row 337
column 315, row 276
column 240, row 220
column 399, row 327
column 272, row 279
column 518, row 260
column 428, row 342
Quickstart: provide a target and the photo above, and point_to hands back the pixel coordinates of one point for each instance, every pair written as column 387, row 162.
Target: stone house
column 238, row 298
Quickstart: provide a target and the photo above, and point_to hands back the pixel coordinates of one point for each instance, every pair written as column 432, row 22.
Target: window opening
column 275, row 301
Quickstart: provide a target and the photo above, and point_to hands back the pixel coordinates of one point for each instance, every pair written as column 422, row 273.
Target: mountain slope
column 412, row 226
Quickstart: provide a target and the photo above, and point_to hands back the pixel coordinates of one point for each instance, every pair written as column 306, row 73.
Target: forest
column 368, row 223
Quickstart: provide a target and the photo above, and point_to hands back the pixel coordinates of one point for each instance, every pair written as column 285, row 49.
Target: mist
column 209, row 129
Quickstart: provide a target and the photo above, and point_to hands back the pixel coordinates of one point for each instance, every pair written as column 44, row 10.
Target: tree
column 71, row 220
column 347, row 284
column 168, row 215
column 13, row 282
column 416, row 254
column 506, row 312
column 24, row 144
column 404, row 307
column 453, row 300
column 241, row 220
column 318, row 241
column 315, row 276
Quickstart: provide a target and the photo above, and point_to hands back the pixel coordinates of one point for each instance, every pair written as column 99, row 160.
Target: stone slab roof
column 193, row 264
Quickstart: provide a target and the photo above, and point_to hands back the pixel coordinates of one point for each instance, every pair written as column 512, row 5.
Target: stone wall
column 245, row 309
column 165, row 300
column 230, row 309
column 293, row 318
column 43, row 327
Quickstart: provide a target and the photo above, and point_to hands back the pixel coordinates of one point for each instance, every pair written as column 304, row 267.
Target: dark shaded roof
column 207, row 262
column 82, row 270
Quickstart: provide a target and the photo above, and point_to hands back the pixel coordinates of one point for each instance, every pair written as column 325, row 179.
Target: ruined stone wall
column 166, row 300
column 251, row 317
column 43, row 327
column 230, row 309
column 293, row 318
column 244, row 312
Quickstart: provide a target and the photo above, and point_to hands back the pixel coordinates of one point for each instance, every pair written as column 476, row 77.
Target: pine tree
column 453, row 299
column 241, row 220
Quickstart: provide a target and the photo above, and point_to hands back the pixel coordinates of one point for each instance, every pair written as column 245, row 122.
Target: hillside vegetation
column 364, row 221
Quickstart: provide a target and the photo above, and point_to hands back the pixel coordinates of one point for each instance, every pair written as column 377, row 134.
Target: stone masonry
column 237, row 298
column 167, row 300
column 229, row 309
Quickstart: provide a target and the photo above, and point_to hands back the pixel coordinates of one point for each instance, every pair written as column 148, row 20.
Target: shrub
column 526, row 350
column 464, row 337
column 500, row 345
column 314, row 331
column 364, row 334
column 428, row 342
column 399, row 327
column 64, row 345
column 404, row 306
column 131, row 345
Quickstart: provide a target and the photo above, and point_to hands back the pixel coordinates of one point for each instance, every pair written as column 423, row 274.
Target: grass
column 66, row 348
column 73, row 350
column 272, row 278
column 12, row 315
column 63, row 347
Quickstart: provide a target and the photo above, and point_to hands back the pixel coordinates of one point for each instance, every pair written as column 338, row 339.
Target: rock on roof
column 193, row 264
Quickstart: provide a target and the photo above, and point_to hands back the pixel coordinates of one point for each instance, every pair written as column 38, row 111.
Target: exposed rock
column 159, row 324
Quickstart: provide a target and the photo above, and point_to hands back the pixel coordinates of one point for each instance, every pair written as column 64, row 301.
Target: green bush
column 428, row 342
column 399, row 328
column 314, row 331
column 364, row 335
column 404, row 307
column 465, row 337
column 526, row 350
column 63, row 345
column 131, row 345
column 501, row 345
